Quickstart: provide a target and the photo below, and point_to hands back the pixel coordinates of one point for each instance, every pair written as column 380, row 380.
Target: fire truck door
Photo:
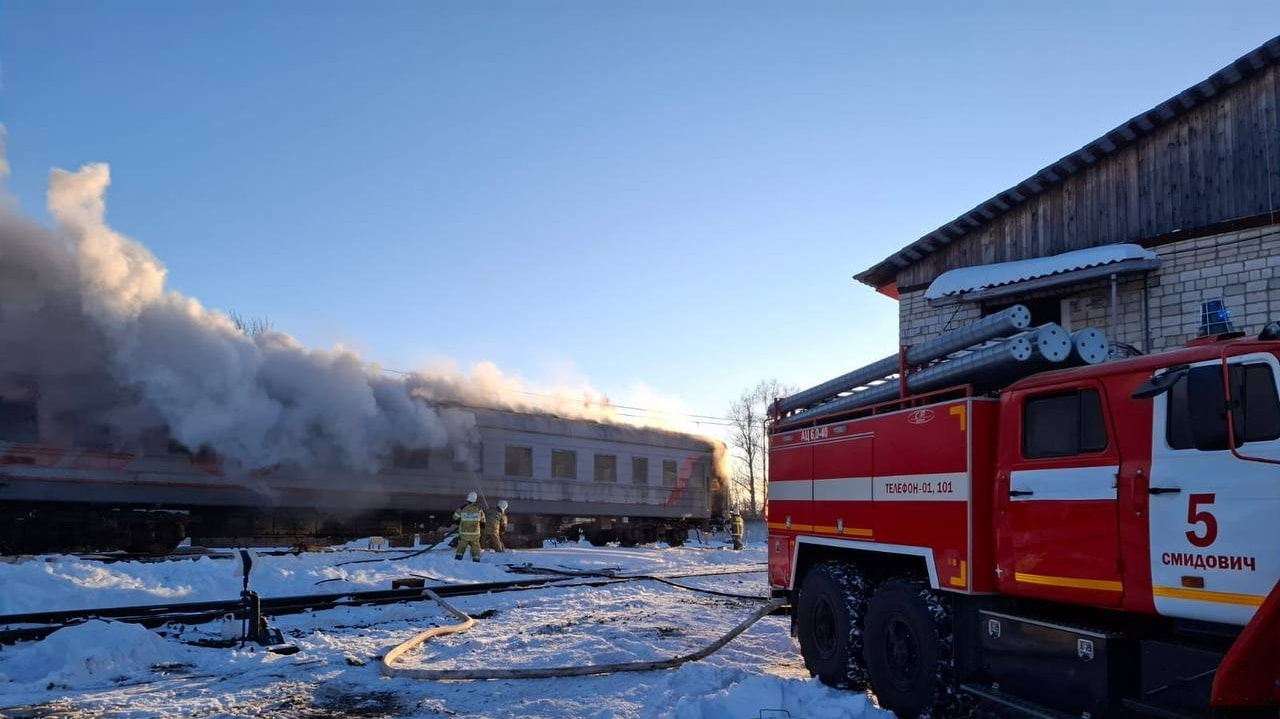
column 1058, row 535
column 1215, row 517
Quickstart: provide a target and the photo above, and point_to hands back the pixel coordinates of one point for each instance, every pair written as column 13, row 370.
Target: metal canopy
column 985, row 282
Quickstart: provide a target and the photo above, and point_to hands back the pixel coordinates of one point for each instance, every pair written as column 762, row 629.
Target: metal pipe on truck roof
column 1089, row 346
column 1000, row 324
column 1050, row 342
column 955, row 371
column 986, row 368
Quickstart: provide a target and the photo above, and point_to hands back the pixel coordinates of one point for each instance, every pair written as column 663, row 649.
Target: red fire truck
column 1098, row 541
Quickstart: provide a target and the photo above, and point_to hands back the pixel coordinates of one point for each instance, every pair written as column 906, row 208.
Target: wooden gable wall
column 1216, row 163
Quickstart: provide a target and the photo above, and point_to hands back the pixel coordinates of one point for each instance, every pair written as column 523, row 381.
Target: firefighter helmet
column 471, row 496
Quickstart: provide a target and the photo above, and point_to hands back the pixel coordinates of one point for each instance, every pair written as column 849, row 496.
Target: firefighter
column 496, row 522
column 737, row 528
column 470, row 519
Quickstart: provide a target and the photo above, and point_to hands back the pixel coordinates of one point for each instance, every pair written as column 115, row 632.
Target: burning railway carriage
column 562, row 477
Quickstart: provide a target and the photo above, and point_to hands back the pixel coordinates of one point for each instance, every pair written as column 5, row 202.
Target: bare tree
column 252, row 327
column 747, row 439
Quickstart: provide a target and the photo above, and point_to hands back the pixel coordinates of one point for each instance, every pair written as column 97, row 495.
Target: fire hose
column 386, row 667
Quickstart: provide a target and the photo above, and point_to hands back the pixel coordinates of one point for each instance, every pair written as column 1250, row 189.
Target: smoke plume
column 114, row 358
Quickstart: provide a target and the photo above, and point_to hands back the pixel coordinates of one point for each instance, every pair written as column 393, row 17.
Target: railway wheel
column 907, row 647
column 833, row 599
column 169, row 534
column 154, row 537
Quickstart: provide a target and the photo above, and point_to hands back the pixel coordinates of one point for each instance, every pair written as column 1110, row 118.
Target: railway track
column 37, row 625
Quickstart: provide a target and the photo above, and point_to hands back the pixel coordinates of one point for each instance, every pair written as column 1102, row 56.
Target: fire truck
column 1092, row 541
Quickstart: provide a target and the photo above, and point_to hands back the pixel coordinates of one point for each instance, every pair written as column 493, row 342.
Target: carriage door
column 1059, row 525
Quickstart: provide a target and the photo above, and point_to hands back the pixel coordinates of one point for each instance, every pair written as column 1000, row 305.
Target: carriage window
column 18, row 422
column 699, row 474
column 94, row 436
column 564, row 464
column 606, row 468
column 404, row 458
column 205, row 454
column 1256, row 414
column 1062, row 425
column 519, row 461
column 639, row 470
column 472, row 460
column 668, row 473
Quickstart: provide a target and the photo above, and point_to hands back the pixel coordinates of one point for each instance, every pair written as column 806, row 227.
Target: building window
column 564, row 464
column 606, row 468
column 668, row 473
column 1256, row 414
column 639, row 470
column 1063, row 425
column 519, row 461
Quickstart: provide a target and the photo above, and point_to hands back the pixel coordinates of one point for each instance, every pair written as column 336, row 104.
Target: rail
column 37, row 625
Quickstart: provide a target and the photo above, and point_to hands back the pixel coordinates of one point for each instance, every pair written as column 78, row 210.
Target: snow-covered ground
column 113, row 669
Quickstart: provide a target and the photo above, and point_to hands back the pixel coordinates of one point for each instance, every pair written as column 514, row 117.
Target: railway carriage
column 562, row 477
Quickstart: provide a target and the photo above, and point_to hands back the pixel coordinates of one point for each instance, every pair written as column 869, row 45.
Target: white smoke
column 90, row 331
column 88, row 327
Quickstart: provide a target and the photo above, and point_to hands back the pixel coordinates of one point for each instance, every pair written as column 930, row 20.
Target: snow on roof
column 981, row 277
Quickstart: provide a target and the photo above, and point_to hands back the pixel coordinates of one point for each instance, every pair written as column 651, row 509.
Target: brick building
column 1145, row 232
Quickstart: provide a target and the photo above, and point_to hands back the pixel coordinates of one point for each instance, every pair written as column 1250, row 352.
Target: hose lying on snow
column 390, row 657
column 410, row 555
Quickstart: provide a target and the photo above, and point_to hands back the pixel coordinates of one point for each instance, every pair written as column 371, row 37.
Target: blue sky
column 667, row 195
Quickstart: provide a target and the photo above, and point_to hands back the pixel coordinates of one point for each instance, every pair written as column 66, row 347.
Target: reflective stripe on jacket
column 470, row 520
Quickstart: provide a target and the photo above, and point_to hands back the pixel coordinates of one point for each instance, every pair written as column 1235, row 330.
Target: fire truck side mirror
column 1161, row 383
column 1207, row 402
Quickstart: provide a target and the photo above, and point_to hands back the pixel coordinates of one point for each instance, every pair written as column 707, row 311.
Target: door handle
column 1163, row 490
column 1020, row 493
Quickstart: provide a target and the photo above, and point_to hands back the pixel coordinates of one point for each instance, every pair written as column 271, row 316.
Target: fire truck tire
column 907, row 643
column 833, row 599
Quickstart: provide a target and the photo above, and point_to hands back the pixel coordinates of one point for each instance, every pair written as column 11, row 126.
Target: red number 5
column 1203, row 515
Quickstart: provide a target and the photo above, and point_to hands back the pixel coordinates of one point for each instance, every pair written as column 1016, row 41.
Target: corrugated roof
column 973, row 279
column 1118, row 139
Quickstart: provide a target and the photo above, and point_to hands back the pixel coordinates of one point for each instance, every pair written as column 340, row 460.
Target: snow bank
column 89, row 654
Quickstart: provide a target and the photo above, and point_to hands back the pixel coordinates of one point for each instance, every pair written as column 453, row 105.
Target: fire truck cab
column 1099, row 541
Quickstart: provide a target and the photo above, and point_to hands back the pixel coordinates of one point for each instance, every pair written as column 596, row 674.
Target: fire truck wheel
column 829, row 613
column 907, row 647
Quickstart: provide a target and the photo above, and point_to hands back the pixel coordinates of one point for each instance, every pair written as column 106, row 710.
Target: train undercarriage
column 35, row 528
